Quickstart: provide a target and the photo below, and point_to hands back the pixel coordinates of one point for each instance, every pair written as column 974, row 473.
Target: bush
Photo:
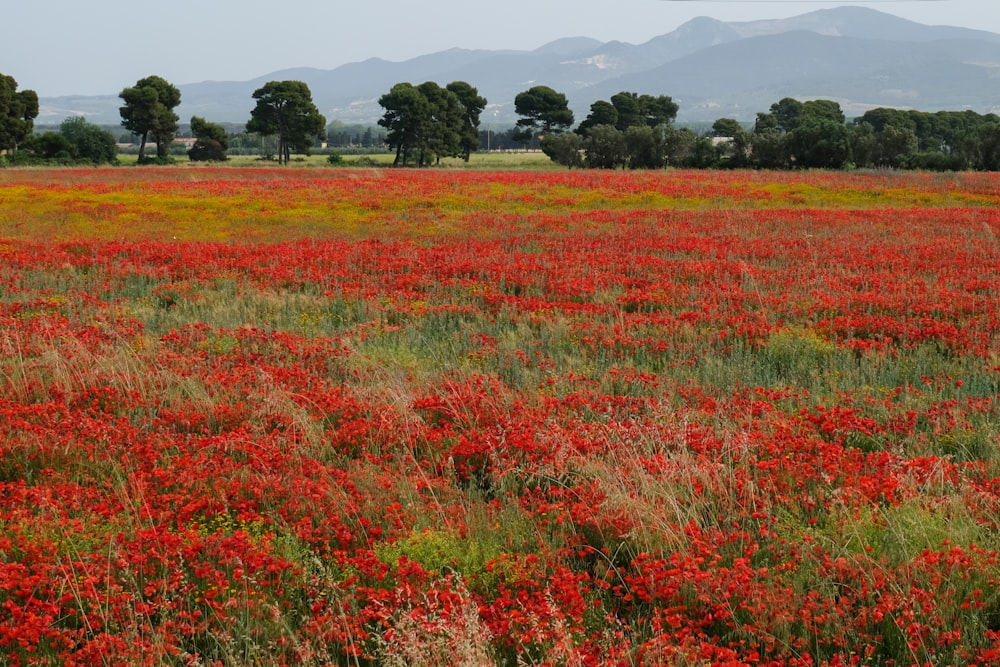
column 90, row 143
column 53, row 145
column 207, row 150
column 212, row 141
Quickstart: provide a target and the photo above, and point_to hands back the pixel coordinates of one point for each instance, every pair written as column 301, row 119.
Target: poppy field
column 388, row 417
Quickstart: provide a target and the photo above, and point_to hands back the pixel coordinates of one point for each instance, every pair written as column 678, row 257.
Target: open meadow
column 318, row 416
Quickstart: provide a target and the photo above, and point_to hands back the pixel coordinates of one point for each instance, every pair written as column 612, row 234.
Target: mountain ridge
column 860, row 57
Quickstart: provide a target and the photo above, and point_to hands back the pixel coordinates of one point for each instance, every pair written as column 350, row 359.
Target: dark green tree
column 883, row 117
column 564, row 148
column 989, row 138
column 473, row 105
column 783, row 116
column 53, row 146
column 929, row 130
column 801, row 134
column 432, row 121
column 884, row 137
column 442, row 129
column 681, row 146
column 736, row 142
column 602, row 112
column 658, row 110
column 629, row 108
column 964, row 138
column 605, row 148
column 817, row 137
column 642, row 123
column 646, row 147
column 211, row 142
column 726, row 128
column 286, row 109
column 864, row 143
column 699, row 153
column 769, row 147
column 822, row 110
column 819, row 143
column 149, row 113
column 89, row 141
column 406, row 114
column 543, row 111
column 18, row 111
column 895, row 147
column 949, row 140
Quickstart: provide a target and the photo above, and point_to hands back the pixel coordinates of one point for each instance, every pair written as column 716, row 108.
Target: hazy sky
column 66, row 47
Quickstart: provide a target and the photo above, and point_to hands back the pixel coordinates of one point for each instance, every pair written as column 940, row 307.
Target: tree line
column 637, row 132
column 284, row 109
column 424, row 123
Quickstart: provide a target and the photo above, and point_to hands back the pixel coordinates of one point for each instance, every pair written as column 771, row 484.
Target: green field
column 490, row 160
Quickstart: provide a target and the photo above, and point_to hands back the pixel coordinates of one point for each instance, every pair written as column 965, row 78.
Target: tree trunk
column 282, row 150
column 142, row 147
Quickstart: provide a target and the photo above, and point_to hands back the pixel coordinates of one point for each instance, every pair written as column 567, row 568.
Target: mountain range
column 859, row 57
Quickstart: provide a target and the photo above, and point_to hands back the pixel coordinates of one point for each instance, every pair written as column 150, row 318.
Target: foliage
column 820, row 143
column 149, row 112
column 605, row 147
column 686, row 148
column 406, row 111
column 631, row 130
column 941, row 140
column 564, row 148
column 77, row 142
column 735, row 151
column 212, row 141
column 646, row 146
column 53, row 146
column 473, row 105
column 90, row 143
column 784, row 116
column 808, row 134
column 636, row 110
column 432, row 121
column 286, row 109
column 815, row 134
column 18, row 110
column 627, row 110
column 602, row 112
column 543, row 111
column 443, row 128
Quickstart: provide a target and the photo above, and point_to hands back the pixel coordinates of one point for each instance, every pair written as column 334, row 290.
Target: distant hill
column 860, row 57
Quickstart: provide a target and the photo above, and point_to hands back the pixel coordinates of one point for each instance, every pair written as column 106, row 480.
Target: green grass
column 483, row 160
